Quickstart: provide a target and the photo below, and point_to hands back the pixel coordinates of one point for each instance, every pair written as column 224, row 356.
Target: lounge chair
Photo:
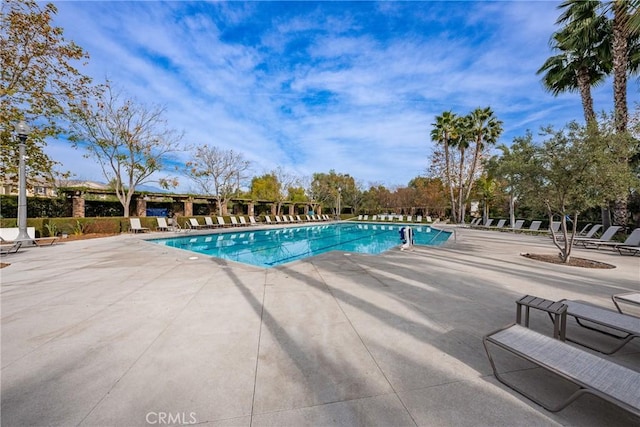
column 359, row 217
column 555, row 227
column 604, row 321
column 591, row 373
column 366, row 218
column 518, row 225
column 243, row 222
column 419, row 218
column 409, row 218
column 488, row 223
column 429, row 219
column 534, row 226
column 628, row 250
column 194, row 224
column 221, row 222
column 584, row 230
column 501, row 223
column 234, row 221
column 632, row 240
column 606, row 237
column 252, row 220
column 299, row 219
column 10, row 248
column 208, row 222
column 267, row 219
column 136, row 227
column 626, row 298
column 162, row 224
column 278, row 219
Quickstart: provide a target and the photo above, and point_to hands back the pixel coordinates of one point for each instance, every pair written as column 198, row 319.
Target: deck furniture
column 592, row 373
column 632, row 298
column 620, row 326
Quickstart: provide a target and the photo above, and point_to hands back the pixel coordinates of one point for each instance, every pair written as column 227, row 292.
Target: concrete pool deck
column 119, row 331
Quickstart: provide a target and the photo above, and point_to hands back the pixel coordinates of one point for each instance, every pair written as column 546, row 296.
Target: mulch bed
column 573, row 261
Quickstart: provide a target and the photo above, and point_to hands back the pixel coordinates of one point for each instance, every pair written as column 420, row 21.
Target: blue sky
column 314, row 86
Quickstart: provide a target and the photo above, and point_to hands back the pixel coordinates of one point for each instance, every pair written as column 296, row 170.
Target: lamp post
column 339, row 193
column 23, row 132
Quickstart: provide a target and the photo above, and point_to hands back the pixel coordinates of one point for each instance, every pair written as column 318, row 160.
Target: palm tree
column 583, row 58
column 483, row 129
column 445, row 132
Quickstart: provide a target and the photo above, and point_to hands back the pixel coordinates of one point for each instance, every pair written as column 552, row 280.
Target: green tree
column 573, row 170
column 584, row 58
column 264, row 187
column 38, row 81
column 326, row 188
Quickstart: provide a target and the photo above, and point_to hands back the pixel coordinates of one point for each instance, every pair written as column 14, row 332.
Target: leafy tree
column 38, row 81
column 218, row 172
column 431, row 194
column 297, row 195
column 573, row 170
column 130, row 141
column 264, row 187
column 326, row 188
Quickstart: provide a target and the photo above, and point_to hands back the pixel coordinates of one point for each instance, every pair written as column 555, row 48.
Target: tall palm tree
column 445, row 132
column 583, row 60
column 484, row 129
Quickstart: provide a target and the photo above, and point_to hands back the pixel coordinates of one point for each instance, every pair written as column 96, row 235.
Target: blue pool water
column 268, row 248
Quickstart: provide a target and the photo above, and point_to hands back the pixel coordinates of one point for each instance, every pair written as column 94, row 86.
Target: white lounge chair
column 267, row 219
column 234, row 221
column 162, row 224
column 221, row 222
column 243, row 222
column 136, row 227
column 501, row 223
column 208, row 222
column 252, row 220
column 194, row 224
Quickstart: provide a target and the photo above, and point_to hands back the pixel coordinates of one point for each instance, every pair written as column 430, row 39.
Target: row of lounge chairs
column 591, row 372
column 240, row 221
column 394, row 218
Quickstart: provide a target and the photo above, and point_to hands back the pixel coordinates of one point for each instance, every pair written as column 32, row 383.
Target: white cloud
column 317, row 86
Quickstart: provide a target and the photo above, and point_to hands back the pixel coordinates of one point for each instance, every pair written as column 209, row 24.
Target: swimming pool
column 269, row 248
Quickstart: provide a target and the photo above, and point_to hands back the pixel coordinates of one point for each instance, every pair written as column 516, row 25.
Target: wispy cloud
column 314, row 86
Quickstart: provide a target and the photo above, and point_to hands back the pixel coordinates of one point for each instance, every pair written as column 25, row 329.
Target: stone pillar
column 292, row 209
column 273, row 209
column 188, row 207
column 77, row 204
column 141, row 207
column 306, row 209
column 251, row 209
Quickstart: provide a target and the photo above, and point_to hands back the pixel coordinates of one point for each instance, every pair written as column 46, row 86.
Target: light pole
column 339, row 193
column 23, row 132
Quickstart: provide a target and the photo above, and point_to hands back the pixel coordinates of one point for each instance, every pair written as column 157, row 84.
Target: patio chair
column 429, row 219
column 243, row 222
column 419, row 218
column 591, row 373
column 518, row 225
column 535, row 226
column 501, row 223
column 252, row 220
column 366, row 218
column 278, row 219
column 632, row 298
column 359, row 217
column 221, row 222
column 10, row 248
column 136, row 227
column 267, row 219
column 194, row 224
column 488, row 223
column 584, row 230
column 606, row 237
column 299, row 219
column 632, row 240
column 623, row 327
column 234, row 221
column 208, row 222
column 628, row 250
column 162, row 224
